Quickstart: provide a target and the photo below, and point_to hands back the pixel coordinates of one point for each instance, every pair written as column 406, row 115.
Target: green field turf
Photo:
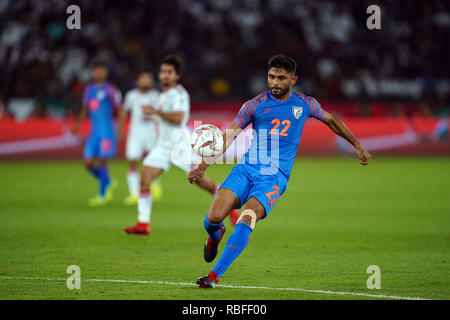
column 335, row 219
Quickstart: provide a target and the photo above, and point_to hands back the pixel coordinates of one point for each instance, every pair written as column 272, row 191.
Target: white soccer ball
column 207, row 140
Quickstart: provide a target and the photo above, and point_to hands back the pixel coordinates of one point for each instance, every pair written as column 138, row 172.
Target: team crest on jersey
column 100, row 95
column 297, row 111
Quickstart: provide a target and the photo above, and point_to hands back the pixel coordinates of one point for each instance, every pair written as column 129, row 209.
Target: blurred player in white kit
column 142, row 135
column 172, row 144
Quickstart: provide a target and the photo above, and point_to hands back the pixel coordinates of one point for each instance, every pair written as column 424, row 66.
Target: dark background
column 226, row 45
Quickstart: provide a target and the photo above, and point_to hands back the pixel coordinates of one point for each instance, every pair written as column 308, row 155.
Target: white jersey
column 143, row 132
column 134, row 101
column 173, row 144
column 173, row 100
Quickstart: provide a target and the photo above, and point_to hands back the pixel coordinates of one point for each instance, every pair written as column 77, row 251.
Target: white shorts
column 165, row 153
column 140, row 141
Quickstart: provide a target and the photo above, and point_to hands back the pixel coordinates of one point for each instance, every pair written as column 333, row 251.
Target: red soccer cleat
column 210, row 247
column 140, row 228
column 208, row 281
column 234, row 216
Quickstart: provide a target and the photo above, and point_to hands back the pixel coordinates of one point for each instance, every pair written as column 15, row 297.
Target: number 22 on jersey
column 276, row 122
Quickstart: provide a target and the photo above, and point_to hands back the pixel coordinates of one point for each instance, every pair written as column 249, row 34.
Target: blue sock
column 104, row 179
column 235, row 245
column 213, row 229
column 95, row 171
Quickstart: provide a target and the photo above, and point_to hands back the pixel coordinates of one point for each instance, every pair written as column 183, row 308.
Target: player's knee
column 213, row 217
column 145, row 183
column 133, row 164
column 88, row 164
column 248, row 216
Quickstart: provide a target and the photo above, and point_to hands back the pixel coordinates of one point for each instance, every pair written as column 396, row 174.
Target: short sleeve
column 115, row 95
column 245, row 115
column 316, row 109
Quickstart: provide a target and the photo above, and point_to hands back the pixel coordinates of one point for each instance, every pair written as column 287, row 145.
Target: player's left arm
column 339, row 127
column 176, row 115
column 115, row 97
column 123, row 114
column 83, row 112
column 82, row 115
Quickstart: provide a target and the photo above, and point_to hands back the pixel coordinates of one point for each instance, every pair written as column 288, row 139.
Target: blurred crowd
column 225, row 45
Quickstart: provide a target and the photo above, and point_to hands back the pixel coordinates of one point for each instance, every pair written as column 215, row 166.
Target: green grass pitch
column 335, row 219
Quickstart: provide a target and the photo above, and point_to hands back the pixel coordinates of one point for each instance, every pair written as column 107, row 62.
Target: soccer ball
column 207, row 140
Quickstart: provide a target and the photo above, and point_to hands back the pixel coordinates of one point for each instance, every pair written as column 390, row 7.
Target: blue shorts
column 247, row 181
column 102, row 147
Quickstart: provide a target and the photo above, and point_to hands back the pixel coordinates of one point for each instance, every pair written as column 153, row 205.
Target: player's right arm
column 230, row 134
column 243, row 118
column 123, row 114
column 82, row 115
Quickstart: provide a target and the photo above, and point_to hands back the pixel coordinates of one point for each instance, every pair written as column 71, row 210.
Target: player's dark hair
column 99, row 64
column 283, row 62
column 174, row 61
column 146, row 72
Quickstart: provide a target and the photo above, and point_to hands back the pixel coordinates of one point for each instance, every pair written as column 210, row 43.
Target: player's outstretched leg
column 223, row 203
column 236, row 243
column 142, row 227
column 233, row 216
column 212, row 187
column 215, row 234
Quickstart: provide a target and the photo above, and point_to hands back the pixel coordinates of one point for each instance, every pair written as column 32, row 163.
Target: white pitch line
column 382, row 296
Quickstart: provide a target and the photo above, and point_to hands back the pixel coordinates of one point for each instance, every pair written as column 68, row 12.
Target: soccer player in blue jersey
column 260, row 178
column 100, row 98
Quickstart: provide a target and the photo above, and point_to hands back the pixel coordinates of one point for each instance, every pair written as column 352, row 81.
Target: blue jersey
column 101, row 101
column 278, row 127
